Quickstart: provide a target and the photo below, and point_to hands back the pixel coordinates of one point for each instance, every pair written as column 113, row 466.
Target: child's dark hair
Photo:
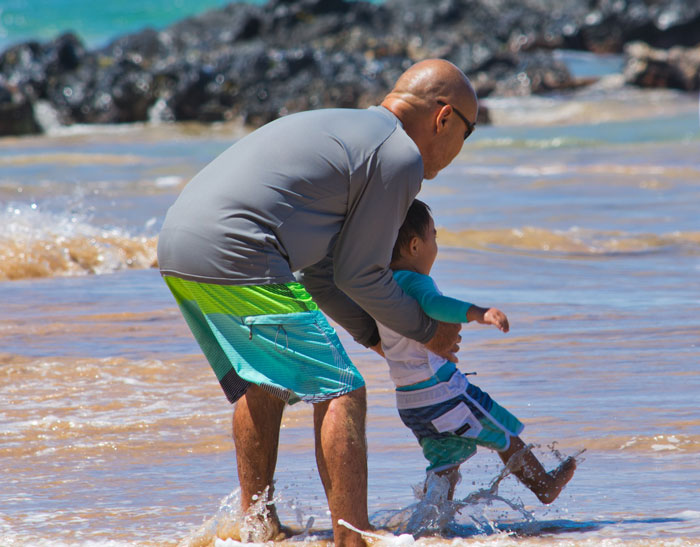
column 414, row 225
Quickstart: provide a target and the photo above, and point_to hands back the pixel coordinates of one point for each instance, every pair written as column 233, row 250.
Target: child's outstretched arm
column 445, row 308
column 488, row 316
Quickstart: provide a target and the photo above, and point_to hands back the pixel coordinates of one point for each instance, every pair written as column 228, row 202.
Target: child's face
column 424, row 249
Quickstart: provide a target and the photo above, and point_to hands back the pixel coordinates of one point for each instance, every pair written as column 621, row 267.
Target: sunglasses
column 470, row 125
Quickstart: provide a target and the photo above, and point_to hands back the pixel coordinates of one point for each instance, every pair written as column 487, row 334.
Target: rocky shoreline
column 256, row 63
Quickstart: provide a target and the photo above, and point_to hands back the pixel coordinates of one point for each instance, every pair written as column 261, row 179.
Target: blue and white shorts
column 451, row 418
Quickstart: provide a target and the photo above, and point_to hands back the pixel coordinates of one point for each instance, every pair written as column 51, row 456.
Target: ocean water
column 576, row 215
column 95, row 22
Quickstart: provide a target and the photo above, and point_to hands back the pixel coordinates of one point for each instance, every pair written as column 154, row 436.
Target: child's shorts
column 450, row 419
column 273, row 336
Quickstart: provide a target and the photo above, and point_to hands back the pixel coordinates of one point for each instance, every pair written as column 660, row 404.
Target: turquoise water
column 95, row 22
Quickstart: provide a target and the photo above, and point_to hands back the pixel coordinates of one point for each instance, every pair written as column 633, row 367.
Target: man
column 321, row 193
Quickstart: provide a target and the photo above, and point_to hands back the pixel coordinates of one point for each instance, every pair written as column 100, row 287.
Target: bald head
column 434, row 101
column 427, row 82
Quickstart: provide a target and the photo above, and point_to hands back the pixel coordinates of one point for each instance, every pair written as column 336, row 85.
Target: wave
column 607, row 101
column 672, row 443
column 690, row 172
column 36, row 244
column 70, row 158
column 574, row 241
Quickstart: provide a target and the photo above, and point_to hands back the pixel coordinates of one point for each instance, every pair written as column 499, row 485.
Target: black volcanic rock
column 677, row 68
column 259, row 62
column 16, row 113
column 609, row 25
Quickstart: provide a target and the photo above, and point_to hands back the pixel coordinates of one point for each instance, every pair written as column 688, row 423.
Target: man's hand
column 378, row 348
column 445, row 341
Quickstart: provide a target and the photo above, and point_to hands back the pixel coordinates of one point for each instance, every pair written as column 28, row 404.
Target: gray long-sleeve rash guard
column 322, row 193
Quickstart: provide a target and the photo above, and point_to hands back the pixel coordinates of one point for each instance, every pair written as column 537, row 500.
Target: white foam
column 233, row 543
column 689, row 514
column 403, row 539
column 661, row 447
column 168, row 181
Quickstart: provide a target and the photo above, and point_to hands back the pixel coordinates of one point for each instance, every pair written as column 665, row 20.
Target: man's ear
column 441, row 119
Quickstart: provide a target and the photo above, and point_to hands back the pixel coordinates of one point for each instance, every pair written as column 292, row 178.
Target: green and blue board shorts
column 451, row 417
column 273, row 336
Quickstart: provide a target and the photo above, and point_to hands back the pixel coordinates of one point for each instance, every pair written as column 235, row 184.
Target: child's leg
column 524, row 465
column 439, row 487
column 453, row 477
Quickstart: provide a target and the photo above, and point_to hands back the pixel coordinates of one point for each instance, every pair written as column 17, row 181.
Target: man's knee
column 354, row 404
column 357, row 398
column 347, row 411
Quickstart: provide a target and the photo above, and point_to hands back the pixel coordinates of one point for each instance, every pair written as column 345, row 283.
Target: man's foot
column 560, row 477
column 256, row 528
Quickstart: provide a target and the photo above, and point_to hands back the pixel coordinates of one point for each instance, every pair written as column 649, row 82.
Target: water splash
column 36, row 243
column 403, row 539
column 434, row 511
column 436, row 515
column 222, row 525
column 228, row 527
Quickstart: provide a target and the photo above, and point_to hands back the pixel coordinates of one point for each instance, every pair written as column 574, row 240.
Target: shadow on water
column 541, row 527
column 528, row 528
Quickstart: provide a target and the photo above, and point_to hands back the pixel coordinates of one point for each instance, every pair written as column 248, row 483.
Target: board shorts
column 273, row 336
column 452, row 417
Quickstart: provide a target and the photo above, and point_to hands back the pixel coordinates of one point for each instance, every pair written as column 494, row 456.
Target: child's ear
column 415, row 244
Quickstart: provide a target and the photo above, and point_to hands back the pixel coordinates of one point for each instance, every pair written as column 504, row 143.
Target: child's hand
column 488, row 316
column 496, row 318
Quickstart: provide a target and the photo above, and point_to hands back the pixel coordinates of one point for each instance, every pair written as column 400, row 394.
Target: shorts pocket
column 460, row 421
column 272, row 327
column 304, row 318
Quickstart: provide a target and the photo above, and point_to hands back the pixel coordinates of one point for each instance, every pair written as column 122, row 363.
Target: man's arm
column 378, row 201
column 318, row 280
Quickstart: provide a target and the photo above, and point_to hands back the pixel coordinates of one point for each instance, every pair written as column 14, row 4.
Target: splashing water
column 403, row 539
column 228, row 527
column 223, row 524
column 36, row 243
column 434, row 511
column 435, row 514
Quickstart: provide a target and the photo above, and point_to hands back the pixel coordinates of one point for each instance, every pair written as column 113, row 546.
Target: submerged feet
column 258, row 527
column 558, row 478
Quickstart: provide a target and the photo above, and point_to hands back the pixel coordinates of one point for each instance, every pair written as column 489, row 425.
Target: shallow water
column 583, row 229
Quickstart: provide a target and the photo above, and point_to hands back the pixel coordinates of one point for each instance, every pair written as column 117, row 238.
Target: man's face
column 452, row 129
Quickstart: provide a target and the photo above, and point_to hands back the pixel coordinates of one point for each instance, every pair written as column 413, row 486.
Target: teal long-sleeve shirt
column 431, row 300
column 410, row 361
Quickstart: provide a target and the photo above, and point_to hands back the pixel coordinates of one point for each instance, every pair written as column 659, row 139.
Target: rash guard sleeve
column 431, row 300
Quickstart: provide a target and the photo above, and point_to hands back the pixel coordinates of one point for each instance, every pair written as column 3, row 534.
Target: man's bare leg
column 341, row 456
column 256, row 427
column 545, row 485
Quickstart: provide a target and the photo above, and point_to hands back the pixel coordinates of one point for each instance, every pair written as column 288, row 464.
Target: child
column 448, row 415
